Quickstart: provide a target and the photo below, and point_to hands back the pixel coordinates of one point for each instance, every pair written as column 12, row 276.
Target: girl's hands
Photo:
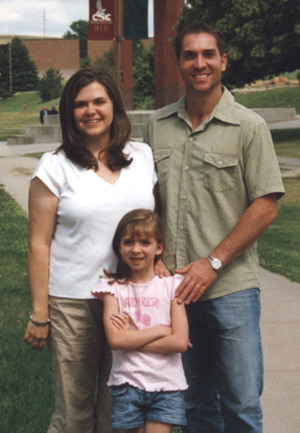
column 121, row 321
column 36, row 336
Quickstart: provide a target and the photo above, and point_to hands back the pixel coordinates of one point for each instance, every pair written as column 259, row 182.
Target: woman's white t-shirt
column 89, row 210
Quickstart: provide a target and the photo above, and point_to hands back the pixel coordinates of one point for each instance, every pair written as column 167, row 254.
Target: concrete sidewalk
column 280, row 321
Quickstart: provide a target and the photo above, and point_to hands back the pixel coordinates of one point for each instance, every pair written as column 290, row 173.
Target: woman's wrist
column 38, row 322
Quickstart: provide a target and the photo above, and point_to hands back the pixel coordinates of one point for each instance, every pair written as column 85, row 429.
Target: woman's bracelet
column 37, row 323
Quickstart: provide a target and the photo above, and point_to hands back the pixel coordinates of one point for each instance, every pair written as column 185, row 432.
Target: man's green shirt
column 207, row 179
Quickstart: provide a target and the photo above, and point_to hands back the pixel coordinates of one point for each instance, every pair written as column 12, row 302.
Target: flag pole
column 119, row 40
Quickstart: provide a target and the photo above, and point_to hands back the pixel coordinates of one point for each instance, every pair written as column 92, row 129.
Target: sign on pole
column 101, row 20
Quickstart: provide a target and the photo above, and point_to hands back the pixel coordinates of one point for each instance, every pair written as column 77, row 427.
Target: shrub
column 50, row 85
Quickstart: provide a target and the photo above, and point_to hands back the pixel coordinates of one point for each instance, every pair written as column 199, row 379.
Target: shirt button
column 220, row 163
column 186, row 167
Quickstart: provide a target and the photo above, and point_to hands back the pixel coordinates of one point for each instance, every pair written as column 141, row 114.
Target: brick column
column 168, row 84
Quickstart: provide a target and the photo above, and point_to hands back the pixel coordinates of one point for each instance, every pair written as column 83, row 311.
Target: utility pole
column 44, row 24
column 10, row 67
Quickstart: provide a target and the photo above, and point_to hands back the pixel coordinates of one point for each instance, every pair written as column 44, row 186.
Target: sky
column 45, row 17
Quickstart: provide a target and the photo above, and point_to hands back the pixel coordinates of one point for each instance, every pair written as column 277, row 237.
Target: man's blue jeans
column 224, row 368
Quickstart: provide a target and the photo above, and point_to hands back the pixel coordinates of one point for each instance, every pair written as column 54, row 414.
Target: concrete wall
column 272, row 115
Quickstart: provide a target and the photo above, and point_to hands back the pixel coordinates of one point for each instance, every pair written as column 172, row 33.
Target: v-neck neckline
column 106, row 181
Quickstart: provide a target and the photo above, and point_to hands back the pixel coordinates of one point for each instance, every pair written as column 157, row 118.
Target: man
column 219, row 182
column 53, row 111
column 43, row 113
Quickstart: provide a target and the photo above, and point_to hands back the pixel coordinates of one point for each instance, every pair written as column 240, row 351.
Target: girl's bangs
column 139, row 229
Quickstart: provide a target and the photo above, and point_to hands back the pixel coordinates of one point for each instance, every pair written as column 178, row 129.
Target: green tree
column 107, row 60
column 80, row 30
column 262, row 36
column 50, row 86
column 143, row 75
column 21, row 72
column 85, row 62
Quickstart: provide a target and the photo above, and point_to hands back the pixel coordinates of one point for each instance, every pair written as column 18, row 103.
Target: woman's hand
column 36, row 336
column 160, row 269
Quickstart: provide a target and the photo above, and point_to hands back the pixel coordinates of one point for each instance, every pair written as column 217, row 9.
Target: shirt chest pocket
column 162, row 161
column 221, row 171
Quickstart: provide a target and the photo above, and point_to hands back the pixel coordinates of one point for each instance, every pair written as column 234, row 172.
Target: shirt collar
column 222, row 111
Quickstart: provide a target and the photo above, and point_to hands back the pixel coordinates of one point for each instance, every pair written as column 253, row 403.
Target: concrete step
column 137, row 129
column 44, row 133
column 140, row 116
column 276, row 114
column 19, row 139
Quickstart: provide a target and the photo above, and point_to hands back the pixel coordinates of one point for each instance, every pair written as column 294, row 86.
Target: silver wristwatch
column 215, row 264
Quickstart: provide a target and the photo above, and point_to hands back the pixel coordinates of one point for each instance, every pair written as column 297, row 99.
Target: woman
column 76, row 198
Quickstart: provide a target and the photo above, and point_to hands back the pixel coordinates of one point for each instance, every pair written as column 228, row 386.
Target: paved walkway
column 280, row 322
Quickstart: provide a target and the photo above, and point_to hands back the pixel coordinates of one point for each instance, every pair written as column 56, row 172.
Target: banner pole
column 119, row 40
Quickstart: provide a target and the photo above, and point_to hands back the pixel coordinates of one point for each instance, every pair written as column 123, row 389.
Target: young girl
column 146, row 329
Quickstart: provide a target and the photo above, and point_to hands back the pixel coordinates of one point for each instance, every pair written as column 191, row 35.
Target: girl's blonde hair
column 138, row 222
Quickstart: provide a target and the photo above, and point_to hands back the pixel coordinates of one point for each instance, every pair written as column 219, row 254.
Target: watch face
column 216, row 264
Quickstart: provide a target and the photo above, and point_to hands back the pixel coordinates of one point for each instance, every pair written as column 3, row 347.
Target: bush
column 50, row 85
column 4, row 93
column 143, row 76
column 106, row 61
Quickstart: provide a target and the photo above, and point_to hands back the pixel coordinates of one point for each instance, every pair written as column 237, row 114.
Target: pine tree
column 50, row 86
column 18, row 71
column 24, row 70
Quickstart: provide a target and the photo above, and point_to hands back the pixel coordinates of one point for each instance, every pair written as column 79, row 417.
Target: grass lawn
column 275, row 98
column 14, row 118
column 287, row 142
column 25, row 381
column 279, row 246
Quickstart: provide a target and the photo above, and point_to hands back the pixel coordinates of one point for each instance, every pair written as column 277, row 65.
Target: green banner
column 135, row 19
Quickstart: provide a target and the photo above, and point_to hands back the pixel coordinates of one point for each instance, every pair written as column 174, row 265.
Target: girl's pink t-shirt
column 147, row 305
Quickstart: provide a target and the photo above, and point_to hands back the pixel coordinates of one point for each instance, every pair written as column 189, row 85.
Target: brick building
column 61, row 54
column 58, row 53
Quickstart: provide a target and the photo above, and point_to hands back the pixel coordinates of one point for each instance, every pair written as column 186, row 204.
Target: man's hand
column 160, row 269
column 199, row 276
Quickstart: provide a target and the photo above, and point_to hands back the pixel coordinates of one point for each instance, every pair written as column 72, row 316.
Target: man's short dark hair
column 198, row 27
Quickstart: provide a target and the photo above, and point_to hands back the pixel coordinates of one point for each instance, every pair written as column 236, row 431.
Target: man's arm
column 199, row 274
